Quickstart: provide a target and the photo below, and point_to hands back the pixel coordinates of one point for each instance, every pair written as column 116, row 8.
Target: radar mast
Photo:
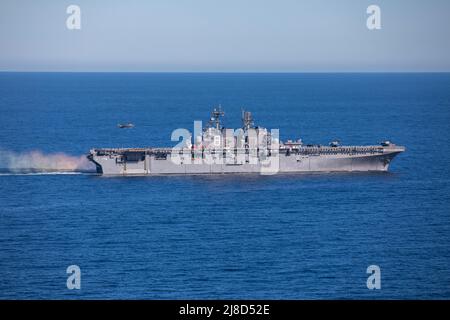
column 247, row 120
column 214, row 122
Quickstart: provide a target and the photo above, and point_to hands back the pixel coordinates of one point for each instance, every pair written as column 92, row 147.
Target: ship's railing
column 305, row 150
column 337, row 150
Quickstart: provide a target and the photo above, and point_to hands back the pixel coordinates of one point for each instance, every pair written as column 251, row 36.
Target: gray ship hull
column 148, row 161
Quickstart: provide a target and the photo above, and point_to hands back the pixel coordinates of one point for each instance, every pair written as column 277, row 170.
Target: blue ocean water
column 249, row 236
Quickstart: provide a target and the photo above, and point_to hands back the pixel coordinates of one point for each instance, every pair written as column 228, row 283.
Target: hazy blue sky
column 225, row 35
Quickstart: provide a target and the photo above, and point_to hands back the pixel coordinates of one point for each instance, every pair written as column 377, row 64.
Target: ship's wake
column 37, row 162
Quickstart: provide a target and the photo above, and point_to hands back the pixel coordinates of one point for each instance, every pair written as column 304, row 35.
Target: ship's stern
column 92, row 156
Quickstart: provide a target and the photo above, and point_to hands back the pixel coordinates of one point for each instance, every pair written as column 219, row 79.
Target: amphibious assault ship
column 249, row 149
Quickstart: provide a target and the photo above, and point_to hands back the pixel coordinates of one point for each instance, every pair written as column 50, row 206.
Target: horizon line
column 224, row 72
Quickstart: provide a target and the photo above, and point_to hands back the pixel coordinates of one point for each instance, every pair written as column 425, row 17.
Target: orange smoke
column 38, row 161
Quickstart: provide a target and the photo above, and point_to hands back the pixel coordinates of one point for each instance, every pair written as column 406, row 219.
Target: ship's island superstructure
column 250, row 149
